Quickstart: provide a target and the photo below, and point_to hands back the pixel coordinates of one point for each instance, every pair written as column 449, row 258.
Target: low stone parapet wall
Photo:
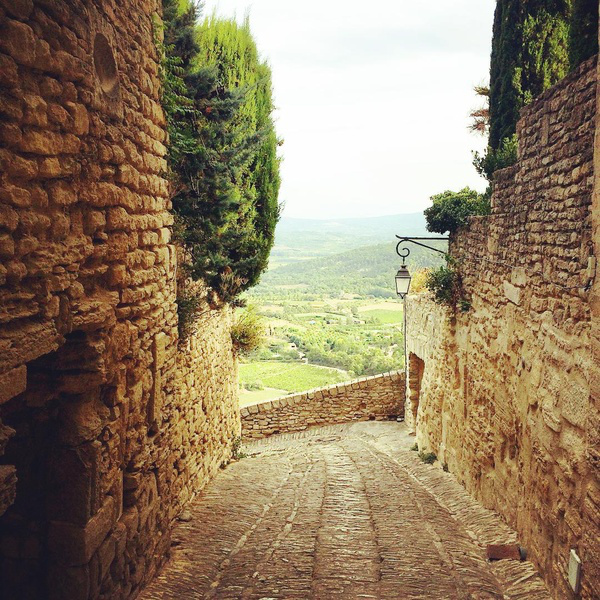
column 378, row 397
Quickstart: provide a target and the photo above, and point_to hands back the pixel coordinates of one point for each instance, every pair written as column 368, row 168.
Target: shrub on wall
column 222, row 151
column 451, row 210
column 247, row 333
column 228, row 49
column 419, row 280
column 445, row 283
column 491, row 161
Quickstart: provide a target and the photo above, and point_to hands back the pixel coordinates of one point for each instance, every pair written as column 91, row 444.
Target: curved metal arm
column 414, row 241
column 405, row 252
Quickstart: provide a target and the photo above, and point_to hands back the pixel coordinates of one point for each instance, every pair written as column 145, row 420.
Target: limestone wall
column 110, row 425
column 504, row 392
column 377, row 397
column 591, row 515
column 207, row 417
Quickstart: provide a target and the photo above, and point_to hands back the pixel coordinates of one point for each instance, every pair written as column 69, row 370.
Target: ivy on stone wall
column 223, row 165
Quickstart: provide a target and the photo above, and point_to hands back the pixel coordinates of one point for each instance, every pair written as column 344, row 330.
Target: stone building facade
column 108, row 425
column 507, row 393
column 377, row 398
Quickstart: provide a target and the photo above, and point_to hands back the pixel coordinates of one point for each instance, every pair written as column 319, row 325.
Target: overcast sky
column 372, row 98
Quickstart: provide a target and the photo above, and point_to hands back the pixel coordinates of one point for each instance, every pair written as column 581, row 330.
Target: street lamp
column 403, row 278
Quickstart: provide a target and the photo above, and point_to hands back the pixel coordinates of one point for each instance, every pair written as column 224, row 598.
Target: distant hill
column 302, row 239
column 367, row 270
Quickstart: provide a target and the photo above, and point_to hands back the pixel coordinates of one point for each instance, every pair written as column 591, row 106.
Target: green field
column 291, row 377
column 329, row 304
column 246, row 397
column 383, row 315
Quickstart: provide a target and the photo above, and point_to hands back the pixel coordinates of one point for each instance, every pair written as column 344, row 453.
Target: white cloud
column 372, row 98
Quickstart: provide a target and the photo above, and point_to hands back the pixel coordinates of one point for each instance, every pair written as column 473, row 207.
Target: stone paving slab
column 340, row 512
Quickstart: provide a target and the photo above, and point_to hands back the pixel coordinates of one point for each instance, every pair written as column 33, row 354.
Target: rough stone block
column 18, row 40
column 8, row 486
column 71, row 545
column 13, row 383
column 512, row 292
column 82, row 421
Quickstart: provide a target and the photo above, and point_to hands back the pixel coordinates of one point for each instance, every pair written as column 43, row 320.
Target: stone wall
column 591, row 514
column 109, row 425
column 378, row 397
column 503, row 396
column 207, row 417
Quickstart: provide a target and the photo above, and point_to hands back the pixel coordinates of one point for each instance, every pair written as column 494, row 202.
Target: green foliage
column 247, row 333
column 530, row 52
column 415, row 447
column 362, row 349
column 505, row 100
column 236, row 448
column 366, row 271
column 242, row 238
column 427, row 457
column 464, row 305
column 222, row 149
column 451, row 210
column 254, row 386
column 493, row 160
column 445, row 283
column 188, row 305
column 545, row 53
column 535, row 44
column 380, row 315
column 583, row 34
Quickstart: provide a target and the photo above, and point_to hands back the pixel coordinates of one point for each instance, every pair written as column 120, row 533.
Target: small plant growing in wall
column 445, row 283
column 236, row 448
column 427, row 457
column 247, row 333
column 188, row 305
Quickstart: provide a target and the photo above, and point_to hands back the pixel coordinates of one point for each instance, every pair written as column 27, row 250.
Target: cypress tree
column 230, row 49
column 221, row 152
column 583, row 38
column 530, row 53
column 505, row 61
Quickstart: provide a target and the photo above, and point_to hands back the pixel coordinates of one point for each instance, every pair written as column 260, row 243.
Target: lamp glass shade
column 403, row 278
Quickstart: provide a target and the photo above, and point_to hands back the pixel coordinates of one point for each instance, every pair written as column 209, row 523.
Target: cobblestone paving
column 343, row 512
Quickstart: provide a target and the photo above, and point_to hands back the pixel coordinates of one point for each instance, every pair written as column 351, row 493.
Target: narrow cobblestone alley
column 340, row 512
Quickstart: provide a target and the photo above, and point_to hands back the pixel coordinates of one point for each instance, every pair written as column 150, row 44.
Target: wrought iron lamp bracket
column 405, row 252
